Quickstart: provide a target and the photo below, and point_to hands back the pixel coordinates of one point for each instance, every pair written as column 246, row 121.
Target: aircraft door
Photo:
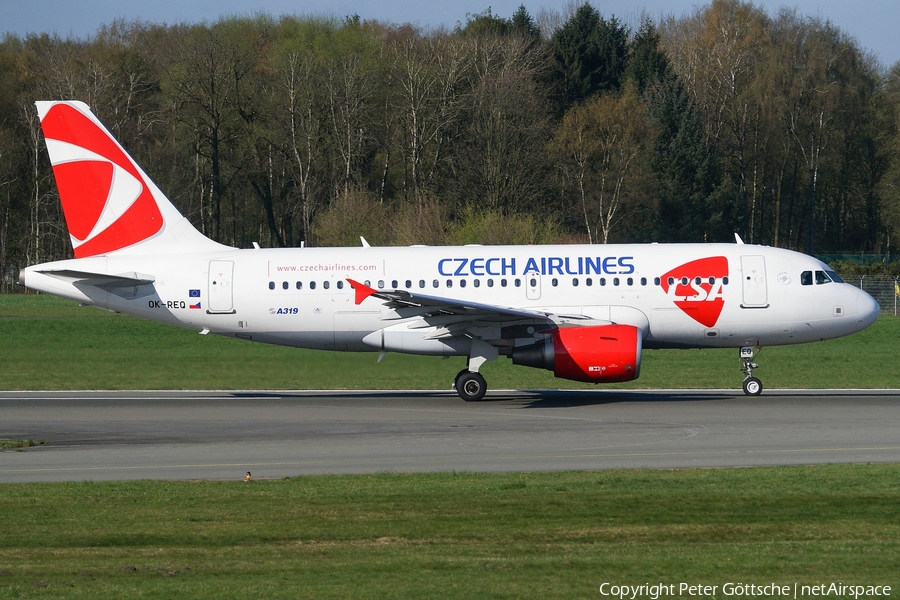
column 219, row 297
column 533, row 286
column 753, row 279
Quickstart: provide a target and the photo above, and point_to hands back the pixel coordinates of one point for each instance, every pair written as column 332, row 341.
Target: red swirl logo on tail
column 696, row 288
column 105, row 198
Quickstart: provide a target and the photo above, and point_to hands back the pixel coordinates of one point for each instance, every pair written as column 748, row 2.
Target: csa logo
column 107, row 203
column 697, row 288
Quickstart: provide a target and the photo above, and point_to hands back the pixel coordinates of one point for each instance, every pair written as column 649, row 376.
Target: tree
column 210, row 84
column 647, row 63
column 500, row 160
column 600, row 145
column 588, row 54
column 692, row 205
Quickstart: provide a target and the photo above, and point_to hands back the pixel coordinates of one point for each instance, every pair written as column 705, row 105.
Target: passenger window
column 312, row 285
column 490, row 283
column 643, row 281
column 367, row 283
column 380, row 284
column 502, row 283
column 271, row 285
column 449, row 283
column 589, row 282
column 575, row 281
column 435, row 283
column 657, row 281
column 340, row 285
column 394, row 284
column 554, row 282
column 671, row 280
column 725, row 280
column 532, row 282
column 603, row 281
column 299, row 285
column 284, row 285
column 684, row 280
column 518, row 282
column 462, row 283
column 408, row 284
column 476, row 283
column 325, row 285
column 630, row 281
column 421, row 283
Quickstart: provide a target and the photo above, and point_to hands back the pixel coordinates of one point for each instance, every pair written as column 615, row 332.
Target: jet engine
column 596, row 354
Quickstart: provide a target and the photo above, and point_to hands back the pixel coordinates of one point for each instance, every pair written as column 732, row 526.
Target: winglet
column 362, row 290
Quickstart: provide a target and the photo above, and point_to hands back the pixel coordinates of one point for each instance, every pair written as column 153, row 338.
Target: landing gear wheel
column 470, row 386
column 456, row 379
column 752, row 386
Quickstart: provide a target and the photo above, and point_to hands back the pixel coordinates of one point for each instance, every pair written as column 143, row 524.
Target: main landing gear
column 469, row 383
column 752, row 385
column 470, row 386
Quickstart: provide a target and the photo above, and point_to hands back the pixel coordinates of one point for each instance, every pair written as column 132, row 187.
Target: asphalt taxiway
column 222, row 434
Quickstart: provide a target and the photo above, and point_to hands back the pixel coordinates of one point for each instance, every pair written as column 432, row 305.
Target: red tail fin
column 108, row 201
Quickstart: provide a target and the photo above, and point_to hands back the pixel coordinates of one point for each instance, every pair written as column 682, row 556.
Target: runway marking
column 457, row 458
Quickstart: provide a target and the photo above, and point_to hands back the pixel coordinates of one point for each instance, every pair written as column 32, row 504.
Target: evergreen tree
column 647, row 63
column 692, row 203
column 524, row 25
column 589, row 55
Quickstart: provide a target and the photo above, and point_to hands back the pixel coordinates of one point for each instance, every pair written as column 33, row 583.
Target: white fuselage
column 679, row 295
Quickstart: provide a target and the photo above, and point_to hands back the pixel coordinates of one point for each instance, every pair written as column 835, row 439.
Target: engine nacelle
column 598, row 354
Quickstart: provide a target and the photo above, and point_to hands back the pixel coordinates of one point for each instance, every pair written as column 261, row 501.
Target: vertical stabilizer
column 109, row 202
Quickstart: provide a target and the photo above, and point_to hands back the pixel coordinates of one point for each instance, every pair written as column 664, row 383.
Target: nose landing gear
column 752, row 385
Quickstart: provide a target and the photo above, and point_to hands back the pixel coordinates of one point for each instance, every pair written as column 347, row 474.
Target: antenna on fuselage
column 737, row 239
column 364, row 242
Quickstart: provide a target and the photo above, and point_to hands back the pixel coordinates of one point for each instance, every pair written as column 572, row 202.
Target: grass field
column 556, row 535
column 49, row 343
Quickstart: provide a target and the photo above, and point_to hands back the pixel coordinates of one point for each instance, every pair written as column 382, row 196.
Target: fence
column 883, row 289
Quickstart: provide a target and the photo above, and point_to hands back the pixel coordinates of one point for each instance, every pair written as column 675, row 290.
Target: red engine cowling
column 603, row 353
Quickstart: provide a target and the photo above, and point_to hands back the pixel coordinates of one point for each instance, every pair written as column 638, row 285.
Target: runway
column 223, row 434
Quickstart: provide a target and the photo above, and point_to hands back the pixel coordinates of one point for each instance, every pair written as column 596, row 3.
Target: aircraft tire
column 470, row 386
column 753, row 386
column 456, row 379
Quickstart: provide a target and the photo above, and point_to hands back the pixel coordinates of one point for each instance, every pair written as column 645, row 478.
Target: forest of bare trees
column 564, row 128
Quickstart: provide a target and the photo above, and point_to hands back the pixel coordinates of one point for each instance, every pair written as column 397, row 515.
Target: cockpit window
column 806, row 278
column 834, row 277
column 822, row 278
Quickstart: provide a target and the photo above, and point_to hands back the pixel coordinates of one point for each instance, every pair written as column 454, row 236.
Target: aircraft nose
column 867, row 309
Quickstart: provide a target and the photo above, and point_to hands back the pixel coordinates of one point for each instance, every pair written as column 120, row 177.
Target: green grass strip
column 534, row 535
column 50, row 343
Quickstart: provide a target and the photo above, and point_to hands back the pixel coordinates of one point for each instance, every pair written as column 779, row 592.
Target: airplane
column 585, row 312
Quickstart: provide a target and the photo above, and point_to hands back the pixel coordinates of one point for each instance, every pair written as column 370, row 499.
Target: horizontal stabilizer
column 104, row 280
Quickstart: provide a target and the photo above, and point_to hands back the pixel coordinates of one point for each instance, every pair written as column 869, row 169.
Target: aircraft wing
column 409, row 304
